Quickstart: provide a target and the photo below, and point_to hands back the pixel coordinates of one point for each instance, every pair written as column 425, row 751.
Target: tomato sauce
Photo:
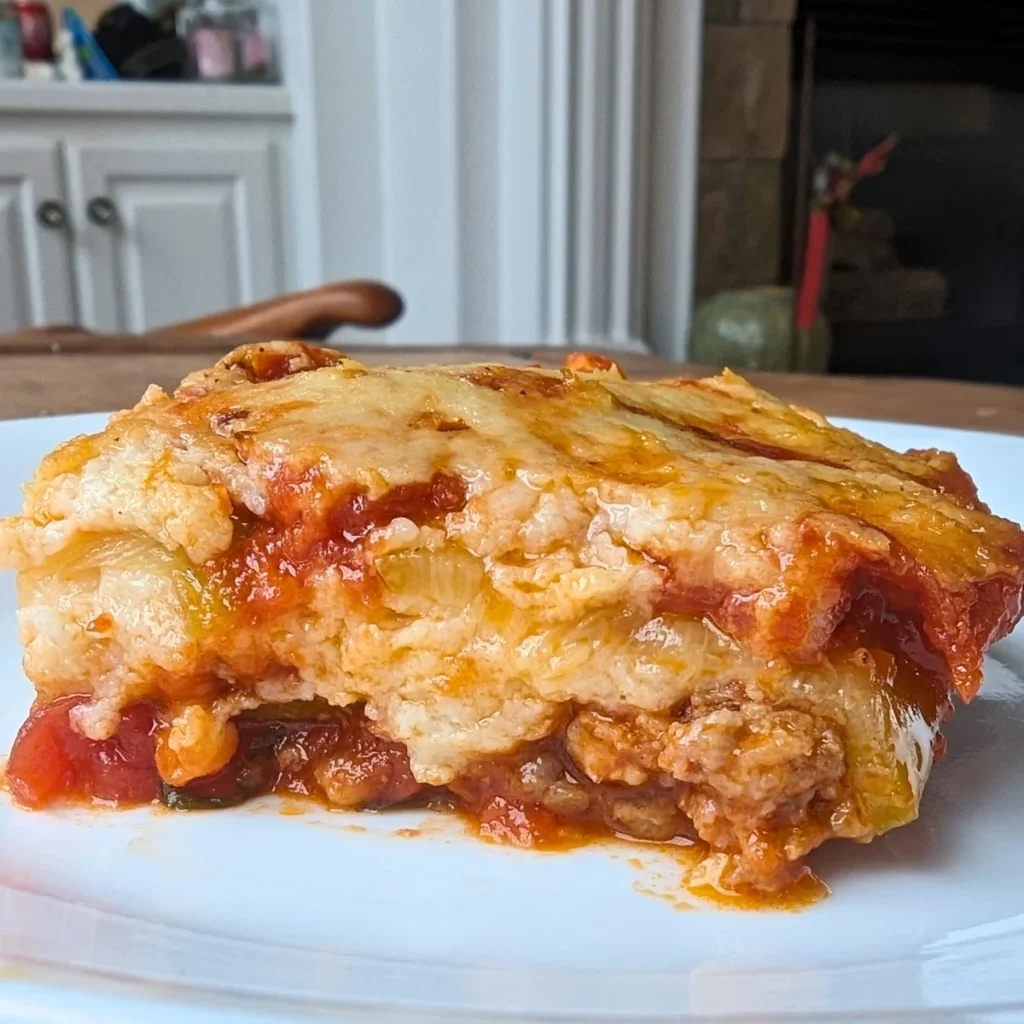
column 517, row 381
column 51, row 760
column 923, row 678
column 506, row 817
column 317, row 752
column 265, row 363
column 333, row 755
column 308, row 529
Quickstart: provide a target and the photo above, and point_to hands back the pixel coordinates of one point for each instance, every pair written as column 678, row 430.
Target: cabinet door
column 35, row 270
column 182, row 230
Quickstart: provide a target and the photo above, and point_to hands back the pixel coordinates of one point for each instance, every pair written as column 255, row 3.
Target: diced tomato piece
column 50, row 759
column 124, row 767
column 39, row 769
column 515, row 823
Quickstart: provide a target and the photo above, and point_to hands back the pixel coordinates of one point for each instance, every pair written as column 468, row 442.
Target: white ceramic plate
column 249, row 915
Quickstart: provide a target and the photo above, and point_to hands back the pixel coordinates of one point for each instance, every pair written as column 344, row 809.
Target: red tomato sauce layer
column 333, row 756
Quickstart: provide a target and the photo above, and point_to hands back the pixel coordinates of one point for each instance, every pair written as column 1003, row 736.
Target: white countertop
column 190, row 99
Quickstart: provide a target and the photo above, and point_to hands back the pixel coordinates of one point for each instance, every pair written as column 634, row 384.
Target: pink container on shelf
column 230, row 40
column 213, row 53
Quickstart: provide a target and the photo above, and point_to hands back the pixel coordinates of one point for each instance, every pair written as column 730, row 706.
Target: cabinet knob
column 102, row 212
column 52, row 215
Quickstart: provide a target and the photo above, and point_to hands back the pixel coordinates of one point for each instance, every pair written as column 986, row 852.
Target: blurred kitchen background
column 521, row 170
column 819, row 185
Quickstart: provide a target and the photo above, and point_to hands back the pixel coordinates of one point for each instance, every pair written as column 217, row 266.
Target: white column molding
column 558, row 111
column 495, row 162
column 675, row 138
column 520, row 110
column 297, row 50
column 418, row 57
column 628, row 204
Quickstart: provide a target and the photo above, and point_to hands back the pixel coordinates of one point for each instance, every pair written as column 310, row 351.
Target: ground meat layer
column 761, row 784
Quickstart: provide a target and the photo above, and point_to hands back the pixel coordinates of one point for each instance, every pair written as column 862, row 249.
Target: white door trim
column 297, row 27
column 496, row 163
column 675, row 141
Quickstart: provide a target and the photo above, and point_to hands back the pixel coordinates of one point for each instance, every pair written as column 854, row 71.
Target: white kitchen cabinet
column 35, row 280
column 167, row 203
column 166, row 232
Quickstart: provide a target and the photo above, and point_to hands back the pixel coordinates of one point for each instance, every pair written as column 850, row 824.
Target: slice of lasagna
column 557, row 600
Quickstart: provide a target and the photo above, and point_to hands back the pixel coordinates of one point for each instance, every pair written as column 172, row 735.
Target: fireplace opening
column 930, row 280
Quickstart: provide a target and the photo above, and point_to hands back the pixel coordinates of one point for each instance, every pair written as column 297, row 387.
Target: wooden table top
column 58, row 374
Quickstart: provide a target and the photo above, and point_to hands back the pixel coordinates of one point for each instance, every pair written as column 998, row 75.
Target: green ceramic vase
column 752, row 329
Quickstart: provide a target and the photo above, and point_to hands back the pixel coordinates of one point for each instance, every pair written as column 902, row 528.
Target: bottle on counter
column 11, row 62
column 36, row 21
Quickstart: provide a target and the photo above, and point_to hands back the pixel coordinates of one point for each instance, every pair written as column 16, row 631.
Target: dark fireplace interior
column 940, row 290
